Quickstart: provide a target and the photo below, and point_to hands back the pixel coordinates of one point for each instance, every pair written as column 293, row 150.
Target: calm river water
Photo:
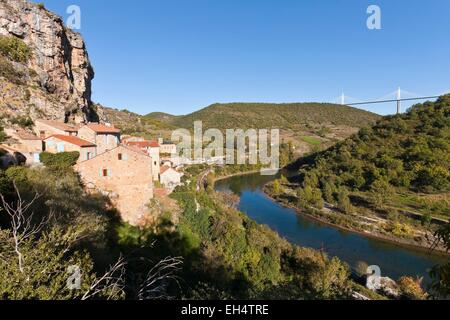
column 394, row 260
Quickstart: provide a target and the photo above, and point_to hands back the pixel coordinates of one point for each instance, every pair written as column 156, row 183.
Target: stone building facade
column 125, row 176
column 62, row 143
column 169, row 177
column 45, row 128
column 105, row 137
column 149, row 147
column 26, row 143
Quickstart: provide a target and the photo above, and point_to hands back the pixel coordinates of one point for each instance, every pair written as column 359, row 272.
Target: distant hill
column 399, row 165
column 410, row 151
column 266, row 115
column 161, row 117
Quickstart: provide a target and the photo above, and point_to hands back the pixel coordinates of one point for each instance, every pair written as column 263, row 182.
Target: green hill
column 266, row 115
column 392, row 178
column 161, row 117
column 409, row 151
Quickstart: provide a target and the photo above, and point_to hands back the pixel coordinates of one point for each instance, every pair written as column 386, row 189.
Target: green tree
column 276, row 187
column 59, row 160
column 344, row 203
column 440, row 274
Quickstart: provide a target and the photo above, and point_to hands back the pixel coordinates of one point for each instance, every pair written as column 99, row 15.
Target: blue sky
column 180, row 56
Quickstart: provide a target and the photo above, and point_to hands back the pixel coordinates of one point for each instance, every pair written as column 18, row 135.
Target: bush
column 60, row 160
column 8, row 71
column 411, row 289
column 24, row 122
column 14, row 49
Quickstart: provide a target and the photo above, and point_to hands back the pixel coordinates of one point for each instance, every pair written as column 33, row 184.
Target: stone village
column 128, row 170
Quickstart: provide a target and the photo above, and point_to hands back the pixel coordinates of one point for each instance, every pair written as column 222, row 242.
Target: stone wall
column 128, row 182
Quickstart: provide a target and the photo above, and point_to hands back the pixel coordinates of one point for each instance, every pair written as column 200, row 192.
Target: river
column 394, row 260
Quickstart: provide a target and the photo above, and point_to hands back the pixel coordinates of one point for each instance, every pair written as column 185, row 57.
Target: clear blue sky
column 180, row 56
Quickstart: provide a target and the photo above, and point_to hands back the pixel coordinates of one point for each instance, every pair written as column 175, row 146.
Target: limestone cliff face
column 56, row 80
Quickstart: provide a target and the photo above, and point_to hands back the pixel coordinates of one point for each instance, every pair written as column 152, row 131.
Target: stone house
column 167, row 148
column 125, row 176
column 169, row 177
column 106, row 137
column 127, row 138
column 11, row 157
column 61, row 143
column 45, row 128
column 151, row 148
column 26, row 143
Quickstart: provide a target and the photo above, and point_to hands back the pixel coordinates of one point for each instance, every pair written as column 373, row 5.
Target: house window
column 60, row 146
column 88, row 155
column 105, row 172
column 155, row 163
column 42, row 134
column 119, row 156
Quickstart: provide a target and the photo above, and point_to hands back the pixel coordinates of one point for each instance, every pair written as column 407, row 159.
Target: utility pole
column 399, row 99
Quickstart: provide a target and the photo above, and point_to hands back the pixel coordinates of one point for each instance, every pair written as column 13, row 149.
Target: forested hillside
column 391, row 178
column 266, row 115
column 405, row 152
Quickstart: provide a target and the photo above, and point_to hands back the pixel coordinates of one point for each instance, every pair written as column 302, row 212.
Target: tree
column 411, row 289
column 59, row 160
column 380, row 191
column 344, row 203
column 440, row 274
column 276, row 187
column 35, row 258
column 330, row 279
column 23, row 227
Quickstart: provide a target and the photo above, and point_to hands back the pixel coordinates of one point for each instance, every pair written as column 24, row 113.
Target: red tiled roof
column 73, row 140
column 102, row 128
column 59, row 125
column 164, row 169
column 143, row 144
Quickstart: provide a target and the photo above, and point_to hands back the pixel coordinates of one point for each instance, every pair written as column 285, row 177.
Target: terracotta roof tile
column 73, row 140
column 143, row 144
column 102, row 128
column 164, row 169
column 59, row 125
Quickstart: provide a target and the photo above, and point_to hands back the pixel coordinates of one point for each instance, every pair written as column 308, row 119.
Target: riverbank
column 372, row 235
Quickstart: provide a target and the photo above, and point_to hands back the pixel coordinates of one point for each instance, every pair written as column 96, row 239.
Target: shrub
column 344, row 203
column 411, row 289
column 24, row 122
column 61, row 160
column 8, row 71
column 14, row 49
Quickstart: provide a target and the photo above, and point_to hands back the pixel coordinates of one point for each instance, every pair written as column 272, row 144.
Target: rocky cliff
column 54, row 79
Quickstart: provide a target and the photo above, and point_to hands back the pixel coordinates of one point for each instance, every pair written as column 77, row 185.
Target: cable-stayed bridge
column 397, row 96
